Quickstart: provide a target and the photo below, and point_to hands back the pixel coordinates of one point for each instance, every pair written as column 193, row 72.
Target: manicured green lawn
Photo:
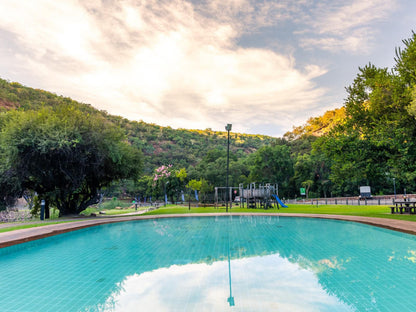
column 29, row 225
column 365, row 211
column 114, row 212
column 109, row 212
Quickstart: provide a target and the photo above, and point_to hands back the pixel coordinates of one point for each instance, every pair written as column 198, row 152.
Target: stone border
column 25, row 235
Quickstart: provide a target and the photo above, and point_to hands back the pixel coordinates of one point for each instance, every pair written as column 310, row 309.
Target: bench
column 403, row 207
column 397, row 209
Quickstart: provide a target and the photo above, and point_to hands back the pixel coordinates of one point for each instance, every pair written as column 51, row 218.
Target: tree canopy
column 376, row 141
column 64, row 155
column 66, row 150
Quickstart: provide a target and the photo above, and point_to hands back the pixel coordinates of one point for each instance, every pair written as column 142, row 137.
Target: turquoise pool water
column 213, row 264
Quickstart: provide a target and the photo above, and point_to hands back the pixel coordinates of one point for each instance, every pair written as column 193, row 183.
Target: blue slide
column 279, row 201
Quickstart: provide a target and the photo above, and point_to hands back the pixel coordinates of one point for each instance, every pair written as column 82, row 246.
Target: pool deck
column 25, row 235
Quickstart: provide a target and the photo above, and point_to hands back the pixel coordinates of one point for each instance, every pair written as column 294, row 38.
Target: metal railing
column 375, row 200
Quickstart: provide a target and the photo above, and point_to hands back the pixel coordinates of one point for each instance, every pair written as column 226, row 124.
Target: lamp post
column 394, row 187
column 228, row 128
column 166, row 195
column 42, row 209
column 230, row 299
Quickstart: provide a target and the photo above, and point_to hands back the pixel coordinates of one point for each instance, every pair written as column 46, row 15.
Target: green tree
column 273, row 164
column 406, row 61
column 194, row 185
column 65, row 155
column 376, row 140
column 144, row 186
column 202, row 186
column 307, row 184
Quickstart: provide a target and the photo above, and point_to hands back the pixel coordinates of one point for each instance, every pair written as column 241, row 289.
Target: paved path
column 69, row 218
column 25, row 235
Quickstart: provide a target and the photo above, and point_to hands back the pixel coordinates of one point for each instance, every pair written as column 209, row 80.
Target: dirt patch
column 8, row 105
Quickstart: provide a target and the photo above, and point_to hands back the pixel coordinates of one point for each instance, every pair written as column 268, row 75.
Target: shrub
column 112, row 204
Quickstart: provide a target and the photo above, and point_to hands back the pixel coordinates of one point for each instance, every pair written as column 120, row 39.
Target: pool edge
column 25, row 235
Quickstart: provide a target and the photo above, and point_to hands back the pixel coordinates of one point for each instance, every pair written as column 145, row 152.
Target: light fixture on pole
column 228, row 128
column 166, row 195
column 394, row 186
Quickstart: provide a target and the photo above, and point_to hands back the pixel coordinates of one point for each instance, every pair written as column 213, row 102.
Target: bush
column 87, row 212
column 35, row 211
column 112, row 204
column 108, row 205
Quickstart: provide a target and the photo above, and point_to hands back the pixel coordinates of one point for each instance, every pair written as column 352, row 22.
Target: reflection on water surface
column 266, row 283
column 213, row 264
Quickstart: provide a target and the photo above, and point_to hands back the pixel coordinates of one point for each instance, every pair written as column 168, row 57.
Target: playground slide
column 279, row 201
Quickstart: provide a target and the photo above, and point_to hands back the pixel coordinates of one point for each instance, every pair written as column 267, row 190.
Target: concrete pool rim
column 25, row 235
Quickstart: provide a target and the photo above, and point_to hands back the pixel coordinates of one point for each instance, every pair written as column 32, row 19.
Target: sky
column 205, row 287
column 263, row 66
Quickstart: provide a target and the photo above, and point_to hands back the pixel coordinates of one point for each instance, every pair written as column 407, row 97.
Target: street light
column 166, row 196
column 228, row 128
column 42, row 209
column 230, row 299
column 394, row 186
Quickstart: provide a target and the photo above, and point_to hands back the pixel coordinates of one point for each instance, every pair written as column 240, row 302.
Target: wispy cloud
column 250, row 15
column 345, row 26
column 176, row 62
column 356, row 41
column 206, row 287
column 167, row 62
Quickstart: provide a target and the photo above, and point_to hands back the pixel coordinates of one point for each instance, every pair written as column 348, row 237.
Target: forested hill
column 160, row 145
column 370, row 140
column 318, row 126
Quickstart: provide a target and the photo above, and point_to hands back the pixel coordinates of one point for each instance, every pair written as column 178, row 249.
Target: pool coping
column 25, row 235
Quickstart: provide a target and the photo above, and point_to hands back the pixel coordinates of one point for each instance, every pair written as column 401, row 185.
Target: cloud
column 249, row 15
column 168, row 62
column 267, row 283
column 345, row 26
column 357, row 41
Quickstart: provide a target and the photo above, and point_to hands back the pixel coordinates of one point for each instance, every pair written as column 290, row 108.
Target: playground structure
column 262, row 196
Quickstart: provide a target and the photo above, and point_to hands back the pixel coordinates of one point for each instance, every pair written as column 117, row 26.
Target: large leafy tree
column 376, row 141
column 213, row 167
column 273, row 164
column 406, row 61
column 313, row 167
column 64, row 155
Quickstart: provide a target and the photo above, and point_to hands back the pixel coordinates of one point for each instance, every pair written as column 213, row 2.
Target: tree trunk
column 47, row 214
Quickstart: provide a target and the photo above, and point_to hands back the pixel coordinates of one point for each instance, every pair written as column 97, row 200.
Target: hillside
column 370, row 140
column 160, row 145
column 318, row 126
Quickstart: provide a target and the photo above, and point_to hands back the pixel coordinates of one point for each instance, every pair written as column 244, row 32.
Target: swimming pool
column 238, row 263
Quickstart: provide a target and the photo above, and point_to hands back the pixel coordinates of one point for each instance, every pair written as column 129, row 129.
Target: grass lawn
column 114, row 212
column 365, row 211
column 29, row 225
column 110, row 211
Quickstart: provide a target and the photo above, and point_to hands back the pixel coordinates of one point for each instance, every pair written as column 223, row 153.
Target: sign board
column 303, row 191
